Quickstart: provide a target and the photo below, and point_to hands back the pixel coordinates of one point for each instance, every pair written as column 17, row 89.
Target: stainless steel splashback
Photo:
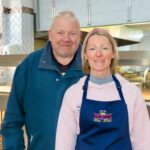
column 136, row 58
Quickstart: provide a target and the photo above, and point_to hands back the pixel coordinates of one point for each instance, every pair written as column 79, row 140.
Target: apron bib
column 103, row 124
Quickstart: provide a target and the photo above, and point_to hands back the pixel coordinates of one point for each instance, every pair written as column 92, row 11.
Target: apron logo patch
column 102, row 116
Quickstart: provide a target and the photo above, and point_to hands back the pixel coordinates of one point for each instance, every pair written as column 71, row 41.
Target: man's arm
column 11, row 129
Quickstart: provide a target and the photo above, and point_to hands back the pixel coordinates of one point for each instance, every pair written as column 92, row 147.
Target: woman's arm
column 67, row 123
column 141, row 125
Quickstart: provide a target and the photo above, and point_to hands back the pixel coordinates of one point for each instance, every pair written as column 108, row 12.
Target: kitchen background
column 24, row 25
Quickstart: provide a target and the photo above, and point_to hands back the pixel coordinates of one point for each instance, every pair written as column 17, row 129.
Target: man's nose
column 66, row 37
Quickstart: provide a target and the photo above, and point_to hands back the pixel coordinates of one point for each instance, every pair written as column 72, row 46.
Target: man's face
column 65, row 37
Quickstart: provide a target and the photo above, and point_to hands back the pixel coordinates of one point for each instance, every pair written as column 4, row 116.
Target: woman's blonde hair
column 105, row 33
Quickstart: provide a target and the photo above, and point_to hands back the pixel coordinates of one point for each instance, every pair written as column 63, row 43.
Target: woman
column 102, row 111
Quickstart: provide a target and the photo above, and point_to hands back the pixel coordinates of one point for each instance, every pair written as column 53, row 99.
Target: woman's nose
column 98, row 52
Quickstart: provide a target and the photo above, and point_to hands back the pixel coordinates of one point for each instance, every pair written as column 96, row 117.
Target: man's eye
column 73, row 33
column 59, row 33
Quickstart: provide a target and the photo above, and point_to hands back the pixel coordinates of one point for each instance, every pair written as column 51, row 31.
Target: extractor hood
column 123, row 35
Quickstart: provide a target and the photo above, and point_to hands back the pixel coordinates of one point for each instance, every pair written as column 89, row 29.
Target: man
column 39, row 84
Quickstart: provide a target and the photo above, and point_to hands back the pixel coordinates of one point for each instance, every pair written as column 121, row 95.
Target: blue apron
column 103, row 124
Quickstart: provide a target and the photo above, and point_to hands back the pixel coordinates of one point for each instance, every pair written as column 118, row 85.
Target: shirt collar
column 47, row 61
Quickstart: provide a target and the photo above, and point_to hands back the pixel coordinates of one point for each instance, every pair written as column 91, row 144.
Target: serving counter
column 5, row 90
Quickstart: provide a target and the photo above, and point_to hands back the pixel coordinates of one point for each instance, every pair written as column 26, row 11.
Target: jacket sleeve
column 13, row 122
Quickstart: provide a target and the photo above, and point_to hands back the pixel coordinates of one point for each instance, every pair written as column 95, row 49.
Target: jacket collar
column 47, row 61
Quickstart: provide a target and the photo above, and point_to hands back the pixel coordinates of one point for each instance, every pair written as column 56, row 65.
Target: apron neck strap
column 118, row 86
column 85, row 86
column 117, row 83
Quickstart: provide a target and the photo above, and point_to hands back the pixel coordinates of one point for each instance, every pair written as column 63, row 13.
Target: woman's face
column 99, row 53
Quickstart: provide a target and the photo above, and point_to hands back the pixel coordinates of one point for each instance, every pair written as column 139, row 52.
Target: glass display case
column 8, row 64
column 135, row 67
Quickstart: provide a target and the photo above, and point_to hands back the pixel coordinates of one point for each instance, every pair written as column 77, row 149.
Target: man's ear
column 49, row 35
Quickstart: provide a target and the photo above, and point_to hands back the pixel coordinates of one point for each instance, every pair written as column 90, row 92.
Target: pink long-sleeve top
column 68, row 122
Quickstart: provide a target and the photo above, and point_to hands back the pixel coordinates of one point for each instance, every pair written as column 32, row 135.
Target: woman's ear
column 85, row 57
column 113, row 55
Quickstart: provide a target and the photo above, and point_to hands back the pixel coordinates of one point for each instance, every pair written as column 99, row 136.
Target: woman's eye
column 105, row 48
column 91, row 48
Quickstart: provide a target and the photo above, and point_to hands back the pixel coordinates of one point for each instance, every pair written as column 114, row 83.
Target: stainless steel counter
column 3, row 100
column 4, row 93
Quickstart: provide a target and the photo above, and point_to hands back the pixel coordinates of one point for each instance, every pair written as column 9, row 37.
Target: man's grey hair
column 67, row 14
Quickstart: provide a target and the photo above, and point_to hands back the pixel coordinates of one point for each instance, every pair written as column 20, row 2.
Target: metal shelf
column 11, row 60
